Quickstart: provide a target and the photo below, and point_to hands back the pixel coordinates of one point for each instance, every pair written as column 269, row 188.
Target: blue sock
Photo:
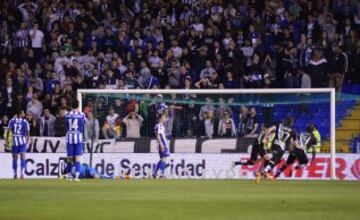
column 162, row 166
column 22, row 165
column 68, row 168
column 157, row 167
column 105, row 177
column 14, row 166
column 77, row 169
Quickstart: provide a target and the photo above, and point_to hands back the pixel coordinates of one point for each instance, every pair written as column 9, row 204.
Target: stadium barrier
column 181, row 166
column 141, row 145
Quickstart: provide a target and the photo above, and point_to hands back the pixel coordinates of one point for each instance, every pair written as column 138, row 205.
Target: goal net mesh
column 209, row 116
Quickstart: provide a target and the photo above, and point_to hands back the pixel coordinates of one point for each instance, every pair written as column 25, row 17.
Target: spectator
column 208, row 107
column 355, row 65
column 305, row 79
column 133, row 122
column 204, row 83
column 243, row 117
column 9, row 92
column 227, row 126
column 230, row 82
column 208, row 71
column 210, row 124
column 21, row 42
column 47, row 122
column 252, row 124
column 60, row 123
column 222, row 109
column 338, row 66
column 36, row 83
column 161, row 73
column 130, row 81
column 254, row 77
column 19, row 102
column 50, row 50
column 92, row 128
column 37, row 41
column 108, row 129
column 34, row 125
column 110, row 80
column 35, row 106
column 317, row 68
column 3, row 125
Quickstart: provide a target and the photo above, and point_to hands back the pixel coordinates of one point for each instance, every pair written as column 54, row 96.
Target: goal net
column 214, row 122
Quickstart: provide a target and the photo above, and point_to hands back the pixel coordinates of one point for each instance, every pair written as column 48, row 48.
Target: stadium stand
column 49, row 49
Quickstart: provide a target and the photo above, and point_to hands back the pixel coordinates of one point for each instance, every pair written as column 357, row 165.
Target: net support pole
column 332, row 134
column 79, row 98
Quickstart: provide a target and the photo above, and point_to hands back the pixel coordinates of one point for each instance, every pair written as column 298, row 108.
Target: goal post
column 329, row 92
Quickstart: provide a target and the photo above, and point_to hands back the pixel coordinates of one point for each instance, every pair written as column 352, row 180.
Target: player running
column 75, row 121
column 285, row 136
column 298, row 151
column 260, row 147
column 163, row 143
column 19, row 130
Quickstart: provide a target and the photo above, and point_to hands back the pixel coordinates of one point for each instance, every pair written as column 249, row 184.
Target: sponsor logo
column 355, row 169
column 47, row 168
column 173, row 169
column 182, row 165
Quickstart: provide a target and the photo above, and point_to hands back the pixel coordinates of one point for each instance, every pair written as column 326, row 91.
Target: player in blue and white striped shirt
column 75, row 121
column 163, row 143
column 20, row 130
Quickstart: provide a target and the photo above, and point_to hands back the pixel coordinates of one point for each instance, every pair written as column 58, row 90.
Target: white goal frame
column 330, row 91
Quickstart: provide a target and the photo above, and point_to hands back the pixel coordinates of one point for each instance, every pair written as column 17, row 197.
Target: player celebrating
column 162, row 141
column 285, row 137
column 19, row 129
column 75, row 121
column 308, row 141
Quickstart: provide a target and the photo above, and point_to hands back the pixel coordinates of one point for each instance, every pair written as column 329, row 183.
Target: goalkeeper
column 297, row 152
column 87, row 172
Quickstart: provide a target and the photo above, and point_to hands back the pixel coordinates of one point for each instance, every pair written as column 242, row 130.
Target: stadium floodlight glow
column 329, row 91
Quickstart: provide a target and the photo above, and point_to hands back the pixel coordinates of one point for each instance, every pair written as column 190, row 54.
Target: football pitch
column 178, row 199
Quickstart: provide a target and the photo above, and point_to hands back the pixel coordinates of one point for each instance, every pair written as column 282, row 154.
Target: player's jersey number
column 73, row 124
column 17, row 129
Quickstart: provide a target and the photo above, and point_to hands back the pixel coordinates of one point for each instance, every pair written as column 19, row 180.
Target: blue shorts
column 164, row 153
column 74, row 149
column 90, row 172
column 87, row 172
column 19, row 149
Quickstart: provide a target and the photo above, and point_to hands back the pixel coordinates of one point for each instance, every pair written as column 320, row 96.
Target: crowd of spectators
column 51, row 48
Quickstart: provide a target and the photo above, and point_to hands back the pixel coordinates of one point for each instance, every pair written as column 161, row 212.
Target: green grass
column 178, row 199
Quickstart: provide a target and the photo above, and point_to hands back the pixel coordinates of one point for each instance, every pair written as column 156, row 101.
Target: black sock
column 281, row 170
column 247, row 162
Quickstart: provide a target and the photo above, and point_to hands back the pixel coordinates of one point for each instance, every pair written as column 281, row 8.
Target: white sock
column 267, row 168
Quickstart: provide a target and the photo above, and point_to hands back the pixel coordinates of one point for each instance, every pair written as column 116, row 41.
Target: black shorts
column 257, row 149
column 277, row 153
column 297, row 154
